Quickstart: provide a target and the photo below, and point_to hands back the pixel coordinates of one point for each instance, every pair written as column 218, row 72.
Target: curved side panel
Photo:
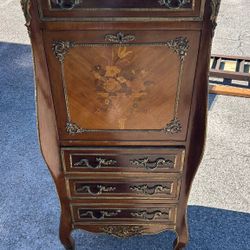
column 47, row 131
column 198, row 122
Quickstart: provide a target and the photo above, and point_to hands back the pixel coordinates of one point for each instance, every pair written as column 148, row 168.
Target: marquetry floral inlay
column 121, row 86
column 118, row 81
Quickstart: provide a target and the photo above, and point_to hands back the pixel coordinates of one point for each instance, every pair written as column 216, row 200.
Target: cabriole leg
column 181, row 236
column 65, row 234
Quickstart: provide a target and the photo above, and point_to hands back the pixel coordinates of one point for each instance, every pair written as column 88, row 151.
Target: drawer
column 119, row 8
column 136, row 213
column 126, row 188
column 147, row 160
column 122, row 85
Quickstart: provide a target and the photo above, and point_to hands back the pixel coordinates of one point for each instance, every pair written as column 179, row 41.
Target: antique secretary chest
column 121, row 92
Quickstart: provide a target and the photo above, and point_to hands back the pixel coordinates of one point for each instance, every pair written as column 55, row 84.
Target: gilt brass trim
column 173, row 127
column 156, row 189
column 215, row 6
column 123, row 231
column 26, row 4
column 61, row 48
column 101, row 189
column 103, row 213
column 101, row 163
column 73, row 128
column 120, row 37
column 145, row 163
column 179, row 45
column 145, row 215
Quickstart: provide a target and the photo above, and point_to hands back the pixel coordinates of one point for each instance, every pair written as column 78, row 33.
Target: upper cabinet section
column 92, row 9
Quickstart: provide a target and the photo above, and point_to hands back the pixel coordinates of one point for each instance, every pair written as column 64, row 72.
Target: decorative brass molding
column 147, row 190
column 179, row 45
column 145, row 163
column 98, row 215
column 120, row 38
column 73, row 128
column 101, row 163
column 173, row 127
column 215, row 6
column 174, row 4
column 150, row 215
column 100, row 189
column 61, row 48
column 123, row 231
column 26, row 4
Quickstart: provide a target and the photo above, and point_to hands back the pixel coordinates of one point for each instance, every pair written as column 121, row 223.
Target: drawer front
column 146, row 160
column 113, row 85
column 119, row 8
column 125, row 189
column 82, row 213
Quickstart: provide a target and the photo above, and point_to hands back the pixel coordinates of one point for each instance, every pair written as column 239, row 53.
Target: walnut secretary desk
column 121, row 94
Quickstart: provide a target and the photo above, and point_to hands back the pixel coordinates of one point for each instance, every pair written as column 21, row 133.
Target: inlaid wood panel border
column 179, row 46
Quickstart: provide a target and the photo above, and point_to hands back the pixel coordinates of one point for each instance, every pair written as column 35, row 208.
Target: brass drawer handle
column 100, row 189
column 147, row 164
column 150, row 215
column 147, row 190
column 101, row 163
column 171, row 4
column 67, row 4
column 99, row 215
